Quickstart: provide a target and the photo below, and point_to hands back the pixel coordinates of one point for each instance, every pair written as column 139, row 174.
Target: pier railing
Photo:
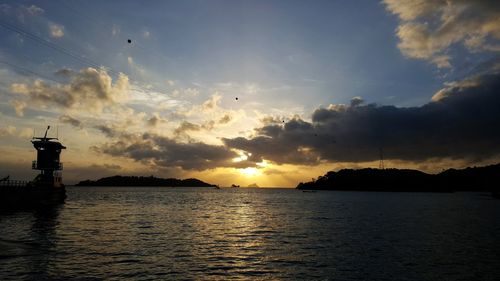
column 13, row 183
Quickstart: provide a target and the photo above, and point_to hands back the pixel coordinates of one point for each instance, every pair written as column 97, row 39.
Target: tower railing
column 55, row 166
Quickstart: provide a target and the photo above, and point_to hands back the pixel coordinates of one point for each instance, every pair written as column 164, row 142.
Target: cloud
column 461, row 122
column 209, row 115
column 209, row 125
column 11, row 131
column 266, row 120
column 134, row 66
column 225, row 119
column 65, row 72
column 56, row 30
column 90, row 90
column 33, row 10
column 107, row 130
column 115, row 30
column 19, row 107
column 25, row 12
column 70, row 120
column 290, row 143
column 7, row 131
column 186, row 126
column 128, row 121
column 184, row 93
column 155, row 120
column 166, row 152
column 356, row 101
column 429, row 28
column 212, row 103
column 5, row 8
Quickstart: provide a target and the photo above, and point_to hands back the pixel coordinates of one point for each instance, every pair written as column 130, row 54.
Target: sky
column 271, row 93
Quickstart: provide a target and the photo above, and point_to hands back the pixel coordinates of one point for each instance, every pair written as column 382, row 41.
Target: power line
column 133, row 43
column 25, row 70
column 52, row 45
column 43, row 41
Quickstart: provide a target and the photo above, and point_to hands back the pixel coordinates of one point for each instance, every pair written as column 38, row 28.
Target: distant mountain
column 254, row 185
column 144, row 181
column 469, row 179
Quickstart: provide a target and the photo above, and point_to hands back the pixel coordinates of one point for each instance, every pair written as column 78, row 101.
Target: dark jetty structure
column 470, row 179
column 46, row 188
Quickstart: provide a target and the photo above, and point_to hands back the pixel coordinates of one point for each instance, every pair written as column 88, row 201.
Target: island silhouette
column 469, row 179
column 144, row 181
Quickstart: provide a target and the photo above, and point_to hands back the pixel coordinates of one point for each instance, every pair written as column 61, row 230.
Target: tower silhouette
column 47, row 162
column 381, row 165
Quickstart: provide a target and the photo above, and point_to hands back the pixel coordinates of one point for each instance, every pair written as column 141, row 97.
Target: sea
column 145, row 233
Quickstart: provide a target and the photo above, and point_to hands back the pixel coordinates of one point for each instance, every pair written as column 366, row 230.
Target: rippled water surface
column 201, row 234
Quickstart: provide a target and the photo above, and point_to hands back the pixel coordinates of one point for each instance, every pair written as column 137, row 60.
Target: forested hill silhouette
column 144, row 181
column 469, row 179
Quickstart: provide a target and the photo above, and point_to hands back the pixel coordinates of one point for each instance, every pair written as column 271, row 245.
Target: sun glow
column 250, row 171
column 242, row 157
column 263, row 164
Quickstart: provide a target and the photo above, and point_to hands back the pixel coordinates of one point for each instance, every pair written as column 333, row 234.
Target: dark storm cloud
column 462, row 122
column 166, row 152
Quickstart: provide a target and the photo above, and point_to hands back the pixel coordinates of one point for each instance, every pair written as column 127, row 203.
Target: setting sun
column 250, row 171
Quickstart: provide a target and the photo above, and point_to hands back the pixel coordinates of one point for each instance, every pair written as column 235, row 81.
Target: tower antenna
column 46, row 131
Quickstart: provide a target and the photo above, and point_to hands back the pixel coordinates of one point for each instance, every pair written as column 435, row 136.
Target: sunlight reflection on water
column 155, row 233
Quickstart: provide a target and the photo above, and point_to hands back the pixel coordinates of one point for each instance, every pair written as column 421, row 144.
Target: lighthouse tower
column 48, row 161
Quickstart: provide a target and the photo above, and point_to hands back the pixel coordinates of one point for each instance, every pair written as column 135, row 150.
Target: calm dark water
column 254, row 234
